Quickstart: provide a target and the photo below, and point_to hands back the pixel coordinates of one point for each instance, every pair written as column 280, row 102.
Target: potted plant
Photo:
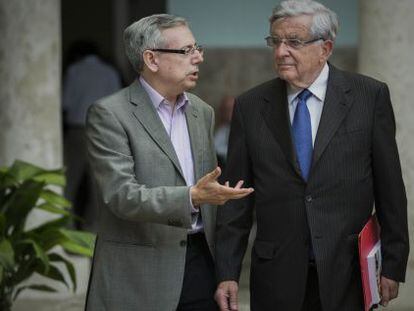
column 25, row 251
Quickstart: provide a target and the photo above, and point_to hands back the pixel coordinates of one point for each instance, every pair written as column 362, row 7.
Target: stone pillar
column 30, row 113
column 386, row 53
column 30, row 82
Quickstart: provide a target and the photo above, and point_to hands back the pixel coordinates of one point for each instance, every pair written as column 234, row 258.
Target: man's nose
column 198, row 57
column 281, row 50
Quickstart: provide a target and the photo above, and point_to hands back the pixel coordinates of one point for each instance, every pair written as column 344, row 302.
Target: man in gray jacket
column 152, row 154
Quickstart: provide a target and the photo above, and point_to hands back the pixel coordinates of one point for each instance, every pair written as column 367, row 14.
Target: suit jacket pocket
column 264, row 249
column 128, row 243
column 350, row 131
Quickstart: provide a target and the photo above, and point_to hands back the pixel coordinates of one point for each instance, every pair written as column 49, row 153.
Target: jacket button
column 308, row 198
column 183, row 243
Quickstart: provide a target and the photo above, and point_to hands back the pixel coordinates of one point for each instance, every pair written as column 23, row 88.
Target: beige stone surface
column 386, row 53
column 30, row 82
column 30, row 123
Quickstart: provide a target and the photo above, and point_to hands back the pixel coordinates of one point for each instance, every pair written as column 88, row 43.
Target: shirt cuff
column 194, row 209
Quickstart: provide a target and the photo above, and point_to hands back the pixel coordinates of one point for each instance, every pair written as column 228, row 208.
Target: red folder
column 370, row 261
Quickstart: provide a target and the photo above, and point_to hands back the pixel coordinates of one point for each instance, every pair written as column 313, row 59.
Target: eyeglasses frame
column 302, row 43
column 191, row 51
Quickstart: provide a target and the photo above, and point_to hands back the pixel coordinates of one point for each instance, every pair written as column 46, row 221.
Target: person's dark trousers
column 199, row 282
column 312, row 300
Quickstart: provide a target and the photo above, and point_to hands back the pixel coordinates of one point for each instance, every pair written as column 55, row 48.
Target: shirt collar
column 318, row 87
column 157, row 99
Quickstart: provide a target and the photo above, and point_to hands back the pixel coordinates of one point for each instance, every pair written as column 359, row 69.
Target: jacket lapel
column 196, row 141
column 276, row 116
column 337, row 104
column 147, row 115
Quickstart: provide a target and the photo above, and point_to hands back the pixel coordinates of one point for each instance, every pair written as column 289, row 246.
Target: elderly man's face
column 298, row 66
column 177, row 72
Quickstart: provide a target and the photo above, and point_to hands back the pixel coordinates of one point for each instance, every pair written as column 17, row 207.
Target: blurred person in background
column 87, row 79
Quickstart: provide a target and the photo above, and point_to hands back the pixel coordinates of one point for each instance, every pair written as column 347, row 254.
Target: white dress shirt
column 314, row 103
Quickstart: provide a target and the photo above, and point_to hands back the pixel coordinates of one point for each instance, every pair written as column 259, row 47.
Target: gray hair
column 146, row 34
column 324, row 24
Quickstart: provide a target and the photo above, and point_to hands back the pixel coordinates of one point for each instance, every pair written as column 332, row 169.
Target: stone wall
column 385, row 52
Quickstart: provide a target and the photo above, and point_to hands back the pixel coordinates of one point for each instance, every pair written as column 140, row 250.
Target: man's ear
column 327, row 48
column 150, row 60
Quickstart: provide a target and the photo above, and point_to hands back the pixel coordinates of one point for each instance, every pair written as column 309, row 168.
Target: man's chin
column 190, row 85
column 284, row 75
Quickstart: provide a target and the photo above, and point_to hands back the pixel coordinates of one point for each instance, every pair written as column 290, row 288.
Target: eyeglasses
column 189, row 50
column 291, row 43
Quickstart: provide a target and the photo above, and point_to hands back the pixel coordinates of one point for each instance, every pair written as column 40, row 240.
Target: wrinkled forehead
column 297, row 25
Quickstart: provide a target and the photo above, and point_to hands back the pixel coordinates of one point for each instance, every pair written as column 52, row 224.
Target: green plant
column 23, row 252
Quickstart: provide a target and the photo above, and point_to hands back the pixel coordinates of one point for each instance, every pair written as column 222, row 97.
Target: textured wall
column 385, row 52
column 30, row 82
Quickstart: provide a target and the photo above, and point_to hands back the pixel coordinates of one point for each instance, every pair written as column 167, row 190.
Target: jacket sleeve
column 113, row 169
column 234, row 219
column 390, row 197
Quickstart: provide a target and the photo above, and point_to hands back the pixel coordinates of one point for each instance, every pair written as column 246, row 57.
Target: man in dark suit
column 318, row 145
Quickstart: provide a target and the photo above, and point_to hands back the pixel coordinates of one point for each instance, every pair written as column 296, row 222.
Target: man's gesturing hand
column 208, row 190
column 226, row 295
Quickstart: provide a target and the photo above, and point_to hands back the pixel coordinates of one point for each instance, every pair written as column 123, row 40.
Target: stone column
column 30, row 82
column 386, row 53
column 30, row 113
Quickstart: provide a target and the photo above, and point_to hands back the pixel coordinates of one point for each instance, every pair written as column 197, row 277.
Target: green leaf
column 79, row 242
column 55, row 274
column 2, row 226
column 25, row 270
column 43, row 288
column 74, row 248
column 6, row 254
column 52, row 178
column 48, row 238
column 53, row 224
column 23, row 171
column 53, row 209
column 1, row 274
column 54, row 257
column 20, row 203
column 6, row 180
column 53, row 198
column 39, row 253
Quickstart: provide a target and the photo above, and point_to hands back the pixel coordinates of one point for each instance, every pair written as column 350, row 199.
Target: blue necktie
column 302, row 133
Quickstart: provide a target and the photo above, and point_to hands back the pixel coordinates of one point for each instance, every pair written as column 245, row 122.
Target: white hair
column 324, row 24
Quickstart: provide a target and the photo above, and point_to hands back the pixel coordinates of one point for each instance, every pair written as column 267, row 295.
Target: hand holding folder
column 377, row 289
column 370, row 261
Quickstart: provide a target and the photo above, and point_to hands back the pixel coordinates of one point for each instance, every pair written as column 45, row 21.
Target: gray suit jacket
column 355, row 164
column 144, row 202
